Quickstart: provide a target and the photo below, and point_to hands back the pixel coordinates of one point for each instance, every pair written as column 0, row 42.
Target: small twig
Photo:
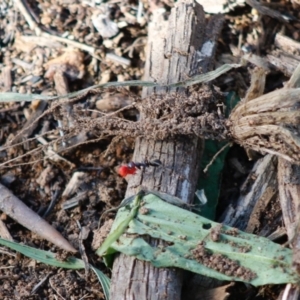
column 62, row 88
column 137, row 42
column 294, row 81
column 30, row 124
column 106, row 115
column 29, row 19
column 3, row 148
column 7, row 78
column 215, row 157
column 268, row 11
column 85, row 296
column 139, row 11
column 4, row 251
column 51, row 154
column 61, row 132
column 54, row 198
column 74, row 201
column 21, row 156
column 75, row 44
column 258, row 80
column 51, row 284
column 37, row 286
column 84, row 231
column 118, row 59
column 39, row 32
column 73, row 185
column 7, row 109
column 286, row 292
column 24, row 164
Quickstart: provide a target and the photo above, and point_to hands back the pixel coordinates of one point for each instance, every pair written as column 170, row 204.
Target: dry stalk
column 269, row 123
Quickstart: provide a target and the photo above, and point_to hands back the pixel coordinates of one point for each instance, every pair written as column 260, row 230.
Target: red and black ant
column 132, row 167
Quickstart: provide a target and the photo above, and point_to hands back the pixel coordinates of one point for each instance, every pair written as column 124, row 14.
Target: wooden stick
column 177, row 48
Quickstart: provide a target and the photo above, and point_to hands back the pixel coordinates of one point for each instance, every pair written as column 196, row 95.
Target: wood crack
column 182, row 156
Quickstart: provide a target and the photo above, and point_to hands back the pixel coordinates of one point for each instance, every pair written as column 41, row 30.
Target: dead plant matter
column 269, row 123
column 162, row 117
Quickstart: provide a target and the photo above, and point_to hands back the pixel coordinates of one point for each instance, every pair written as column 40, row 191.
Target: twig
column 29, row 19
column 130, row 106
column 39, row 32
column 118, row 59
column 62, row 88
column 286, row 292
column 51, row 154
column 215, row 157
column 84, row 231
column 268, row 11
column 139, row 11
column 74, row 201
column 55, row 194
column 4, row 251
column 73, row 185
column 37, row 286
column 56, row 290
column 30, row 124
column 21, row 156
column 75, row 44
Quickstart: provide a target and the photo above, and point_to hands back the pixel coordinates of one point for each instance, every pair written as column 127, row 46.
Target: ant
column 132, row 167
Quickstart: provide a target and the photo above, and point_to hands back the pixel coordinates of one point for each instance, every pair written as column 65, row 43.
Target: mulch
column 59, row 46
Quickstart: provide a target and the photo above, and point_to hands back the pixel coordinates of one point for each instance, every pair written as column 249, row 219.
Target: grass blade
column 104, row 281
column 48, row 258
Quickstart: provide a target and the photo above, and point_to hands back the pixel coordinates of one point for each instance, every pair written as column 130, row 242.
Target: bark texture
column 180, row 47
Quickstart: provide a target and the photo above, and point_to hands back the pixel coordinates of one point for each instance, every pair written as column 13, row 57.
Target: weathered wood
column 289, row 195
column 286, row 57
column 181, row 47
column 287, row 44
column 262, row 183
column 283, row 61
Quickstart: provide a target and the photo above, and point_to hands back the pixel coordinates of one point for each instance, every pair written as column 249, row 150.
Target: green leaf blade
column 228, row 254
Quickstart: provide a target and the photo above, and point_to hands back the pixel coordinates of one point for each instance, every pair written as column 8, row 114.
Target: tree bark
column 180, row 47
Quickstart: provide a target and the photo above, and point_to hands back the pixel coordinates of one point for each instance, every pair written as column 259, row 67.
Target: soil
column 73, row 128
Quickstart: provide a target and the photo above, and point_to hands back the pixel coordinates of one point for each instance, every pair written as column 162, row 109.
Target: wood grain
column 178, row 48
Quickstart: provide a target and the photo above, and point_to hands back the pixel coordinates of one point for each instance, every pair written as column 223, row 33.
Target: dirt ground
column 34, row 60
